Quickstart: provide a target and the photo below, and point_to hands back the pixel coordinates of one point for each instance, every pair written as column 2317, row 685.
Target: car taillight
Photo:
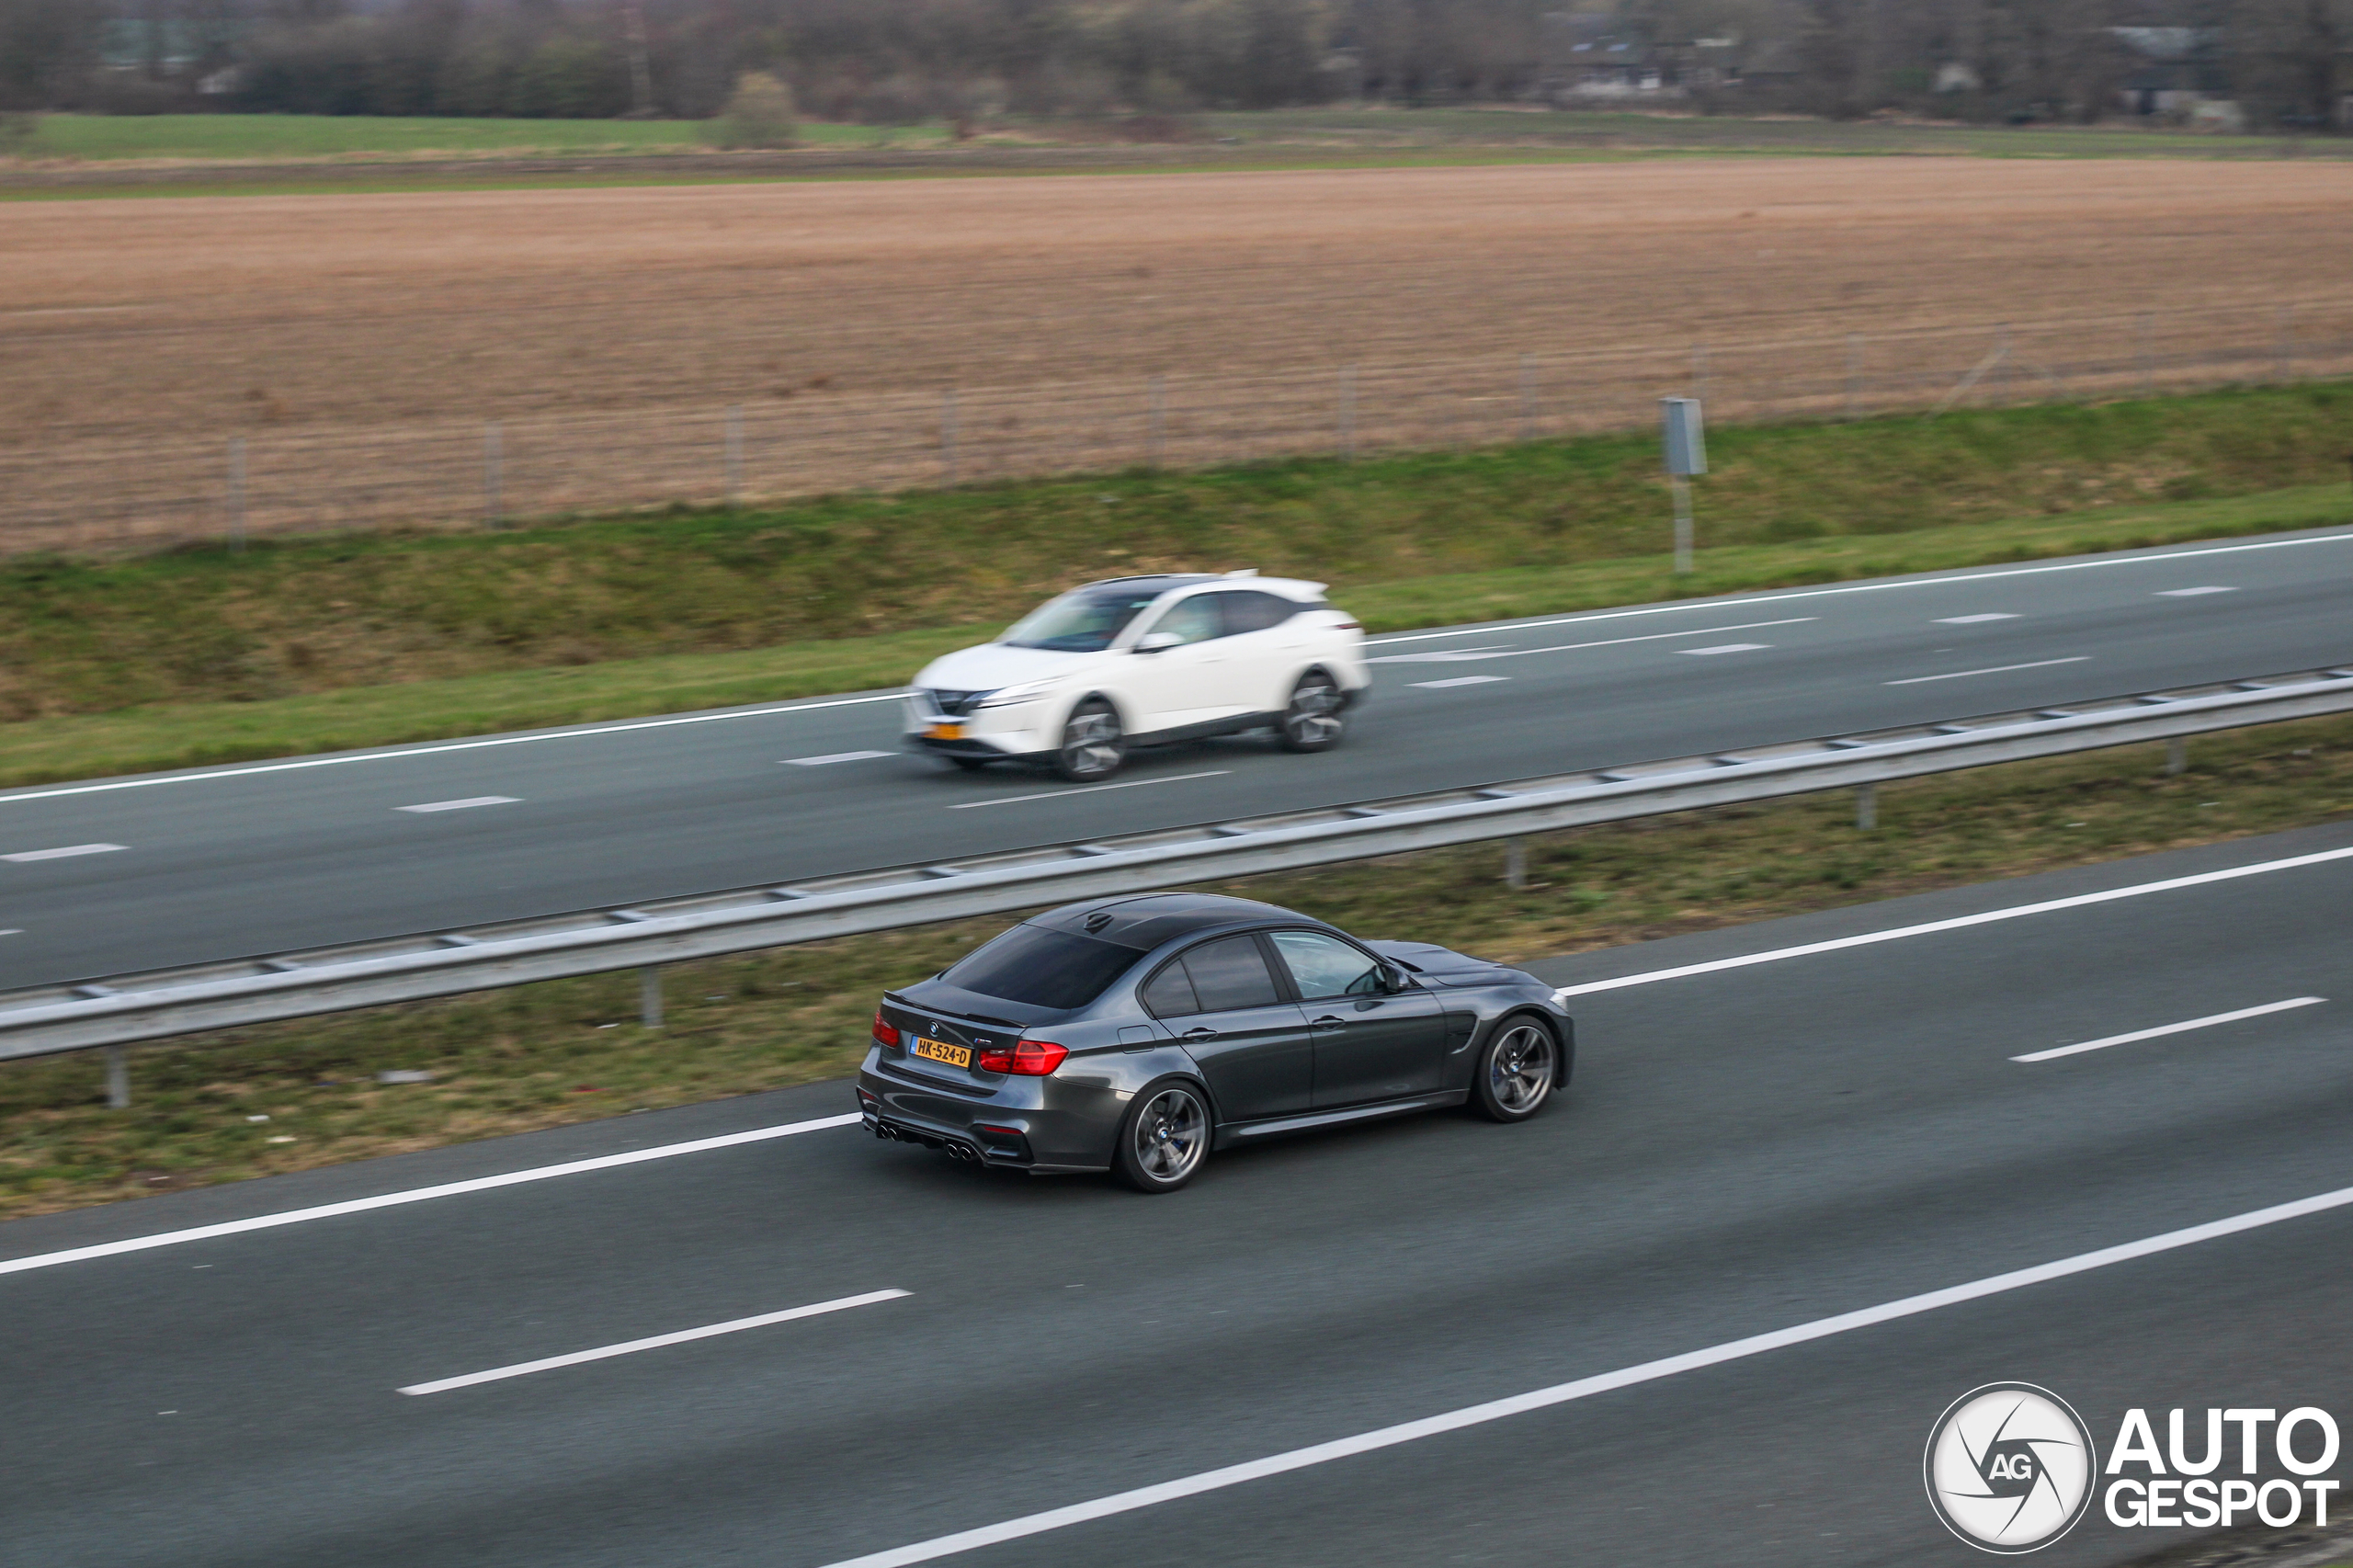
column 883, row 1032
column 1024, row 1059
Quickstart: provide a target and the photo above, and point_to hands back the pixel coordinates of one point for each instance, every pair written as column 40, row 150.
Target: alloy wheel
column 1519, row 1069
column 1091, row 747
column 1171, row 1133
column 1312, row 721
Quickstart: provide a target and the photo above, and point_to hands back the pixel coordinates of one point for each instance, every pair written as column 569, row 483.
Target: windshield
column 1039, row 968
column 1082, row 621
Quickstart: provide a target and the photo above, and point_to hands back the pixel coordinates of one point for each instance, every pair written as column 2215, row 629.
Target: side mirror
column 1158, row 641
column 1393, row 980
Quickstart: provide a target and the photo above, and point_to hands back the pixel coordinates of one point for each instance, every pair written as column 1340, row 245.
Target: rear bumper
column 1025, row 1131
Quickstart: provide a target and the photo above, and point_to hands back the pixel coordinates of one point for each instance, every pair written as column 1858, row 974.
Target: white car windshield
column 1084, row 620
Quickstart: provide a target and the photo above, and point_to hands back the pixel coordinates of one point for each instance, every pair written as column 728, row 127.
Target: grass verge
column 294, row 1095
column 155, row 737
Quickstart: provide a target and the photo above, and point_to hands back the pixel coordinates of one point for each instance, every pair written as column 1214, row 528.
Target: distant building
column 2174, row 72
column 1593, row 57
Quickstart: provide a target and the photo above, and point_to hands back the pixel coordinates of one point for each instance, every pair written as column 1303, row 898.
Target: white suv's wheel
column 1313, row 720
column 1093, row 746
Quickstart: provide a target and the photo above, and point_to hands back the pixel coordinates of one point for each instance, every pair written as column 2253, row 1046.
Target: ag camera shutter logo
column 2009, row 1468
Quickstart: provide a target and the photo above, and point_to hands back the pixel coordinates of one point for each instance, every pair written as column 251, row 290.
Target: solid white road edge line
column 1995, row 670
column 1088, row 790
column 341, row 759
column 68, row 851
column 2169, row 1028
column 419, row 1195
column 1584, row 1388
column 523, row 1369
column 1464, row 655
column 1494, row 628
column 1958, row 923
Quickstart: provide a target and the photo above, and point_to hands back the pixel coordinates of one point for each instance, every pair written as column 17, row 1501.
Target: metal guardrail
column 161, row 1004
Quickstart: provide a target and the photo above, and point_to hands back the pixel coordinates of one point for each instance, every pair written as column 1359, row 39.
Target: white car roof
column 1289, row 587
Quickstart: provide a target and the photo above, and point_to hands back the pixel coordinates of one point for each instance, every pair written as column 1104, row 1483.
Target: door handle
column 1199, row 1034
column 1328, row 1022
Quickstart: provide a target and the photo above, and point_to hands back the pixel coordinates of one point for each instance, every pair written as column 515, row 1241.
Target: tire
column 1165, row 1138
column 969, row 764
column 1314, row 719
column 1517, row 1073
column 1093, row 745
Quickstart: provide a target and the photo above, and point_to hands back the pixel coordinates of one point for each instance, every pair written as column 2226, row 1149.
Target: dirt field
column 376, row 333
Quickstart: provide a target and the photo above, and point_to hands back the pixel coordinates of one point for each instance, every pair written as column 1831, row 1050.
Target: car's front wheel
column 1093, row 745
column 1313, row 720
column 1517, row 1073
column 1164, row 1138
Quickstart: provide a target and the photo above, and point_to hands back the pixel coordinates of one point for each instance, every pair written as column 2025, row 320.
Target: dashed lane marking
column 1974, row 620
column 66, row 852
column 2193, row 593
column 1458, row 680
column 831, row 757
column 469, row 803
column 1725, row 648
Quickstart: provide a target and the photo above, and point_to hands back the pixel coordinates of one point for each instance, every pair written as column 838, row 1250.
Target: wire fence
column 137, row 493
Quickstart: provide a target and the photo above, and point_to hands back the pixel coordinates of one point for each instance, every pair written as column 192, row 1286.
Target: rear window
column 1039, row 968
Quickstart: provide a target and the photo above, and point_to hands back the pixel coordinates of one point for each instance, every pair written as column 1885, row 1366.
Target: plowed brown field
column 149, row 326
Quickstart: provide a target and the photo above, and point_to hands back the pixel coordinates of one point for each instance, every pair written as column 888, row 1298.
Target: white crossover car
column 1135, row 661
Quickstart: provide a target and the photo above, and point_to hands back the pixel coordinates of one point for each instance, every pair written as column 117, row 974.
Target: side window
column 1193, row 621
column 1254, row 611
column 1169, row 993
column 1229, row 974
column 1324, row 966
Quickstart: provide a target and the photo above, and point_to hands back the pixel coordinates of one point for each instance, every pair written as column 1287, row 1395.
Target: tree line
column 901, row 60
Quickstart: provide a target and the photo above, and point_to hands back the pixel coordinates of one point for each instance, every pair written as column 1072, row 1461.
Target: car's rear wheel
column 1516, row 1072
column 1164, row 1138
column 1093, row 746
column 1313, row 720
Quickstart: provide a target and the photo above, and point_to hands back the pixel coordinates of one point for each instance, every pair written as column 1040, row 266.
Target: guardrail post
column 118, row 1077
column 1866, row 807
column 649, row 995
column 1516, row 863
column 2177, row 755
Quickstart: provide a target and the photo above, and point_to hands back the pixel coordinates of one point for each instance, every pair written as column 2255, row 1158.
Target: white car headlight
column 1008, row 695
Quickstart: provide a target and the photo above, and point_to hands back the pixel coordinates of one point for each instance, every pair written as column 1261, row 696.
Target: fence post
column 734, row 455
column 2148, row 353
column 649, row 996
column 118, row 1077
column 1528, row 397
column 1159, row 398
column 493, row 475
column 1854, row 371
column 1348, row 412
column 237, row 495
column 948, row 433
column 1866, row 807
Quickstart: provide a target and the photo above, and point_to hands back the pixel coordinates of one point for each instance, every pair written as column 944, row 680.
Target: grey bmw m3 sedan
column 1137, row 1035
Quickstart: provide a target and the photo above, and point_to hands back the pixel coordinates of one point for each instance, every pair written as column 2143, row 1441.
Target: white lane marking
column 1088, row 790
column 13, row 931
column 1474, row 655
column 1995, row 670
column 831, row 757
column 1458, row 680
column 1974, row 620
column 1725, row 648
column 469, row 803
column 2192, row 593
column 1493, row 628
column 419, row 1195
column 1448, row 656
column 66, row 852
column 1585, row 1388
column 1958, row 923
column 2137, row 1035
column 343, row 758
column 605, row 1352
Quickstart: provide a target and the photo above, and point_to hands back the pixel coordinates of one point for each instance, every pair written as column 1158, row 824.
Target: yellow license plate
column 946, row 732
column 941, row 1050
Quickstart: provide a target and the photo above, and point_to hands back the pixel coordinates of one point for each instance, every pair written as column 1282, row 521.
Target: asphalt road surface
column 109, row 878
column 1745, row 1150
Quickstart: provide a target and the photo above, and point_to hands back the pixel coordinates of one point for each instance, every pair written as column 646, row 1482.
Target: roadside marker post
column 1686, row 454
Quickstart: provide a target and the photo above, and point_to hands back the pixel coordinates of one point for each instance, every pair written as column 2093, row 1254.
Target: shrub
column 759, row 113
